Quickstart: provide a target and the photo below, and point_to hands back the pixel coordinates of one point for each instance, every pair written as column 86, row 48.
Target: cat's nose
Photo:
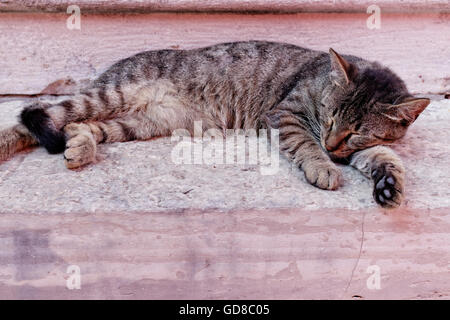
column 334, row 141
column 331, row 144
column 328, row 147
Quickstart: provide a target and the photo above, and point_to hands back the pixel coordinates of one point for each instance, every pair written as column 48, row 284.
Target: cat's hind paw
column 388, row 187
column 81, row 148
column 323, row 175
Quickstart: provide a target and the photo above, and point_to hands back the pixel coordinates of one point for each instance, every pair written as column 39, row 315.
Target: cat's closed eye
column 330, row 124
column 385, row 138
column 348, row 136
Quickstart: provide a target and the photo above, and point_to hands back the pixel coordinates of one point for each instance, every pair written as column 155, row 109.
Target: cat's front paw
column 388, row 186
column 323, row 175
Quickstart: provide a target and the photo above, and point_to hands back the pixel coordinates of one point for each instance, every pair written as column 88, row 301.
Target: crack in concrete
column 360, row 252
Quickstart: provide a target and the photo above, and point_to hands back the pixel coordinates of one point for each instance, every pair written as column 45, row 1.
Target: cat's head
column 365, row 105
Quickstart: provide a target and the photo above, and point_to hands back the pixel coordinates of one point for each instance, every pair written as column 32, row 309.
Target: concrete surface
column 141, row 176
column 404, row 6
column 139, row 226
column 38, row 49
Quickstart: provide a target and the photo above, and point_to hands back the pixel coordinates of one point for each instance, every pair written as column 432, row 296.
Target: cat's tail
column 36, row 118
column 15, row 139
column 45, row 121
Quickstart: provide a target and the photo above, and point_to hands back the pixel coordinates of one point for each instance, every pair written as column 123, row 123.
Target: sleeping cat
column 328, row 108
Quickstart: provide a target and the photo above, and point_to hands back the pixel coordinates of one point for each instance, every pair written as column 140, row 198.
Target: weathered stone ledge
column 277, row 6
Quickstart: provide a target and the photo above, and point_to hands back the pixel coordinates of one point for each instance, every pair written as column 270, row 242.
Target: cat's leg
column 304, row 151
column 158, row 100
column 386, row 170
column 82, row 138
column 45, row 120
column 298, row 145
column 14, row 139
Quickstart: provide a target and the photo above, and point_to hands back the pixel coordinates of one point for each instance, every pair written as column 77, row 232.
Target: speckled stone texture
column 139, row 226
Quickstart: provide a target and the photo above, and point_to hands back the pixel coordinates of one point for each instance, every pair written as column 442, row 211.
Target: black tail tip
column 39, row 123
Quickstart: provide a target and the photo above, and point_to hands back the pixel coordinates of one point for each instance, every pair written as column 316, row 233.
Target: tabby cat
column 328, row 108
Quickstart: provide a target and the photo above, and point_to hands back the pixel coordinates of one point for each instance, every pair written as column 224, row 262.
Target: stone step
column 137, row 225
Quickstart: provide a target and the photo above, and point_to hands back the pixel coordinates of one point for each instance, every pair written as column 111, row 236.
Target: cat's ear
column 407, row 111
column 342, row 71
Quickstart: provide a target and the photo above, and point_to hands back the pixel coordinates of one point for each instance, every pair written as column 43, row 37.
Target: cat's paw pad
column 324, row 176
column 80, row 151
column 388, row 187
